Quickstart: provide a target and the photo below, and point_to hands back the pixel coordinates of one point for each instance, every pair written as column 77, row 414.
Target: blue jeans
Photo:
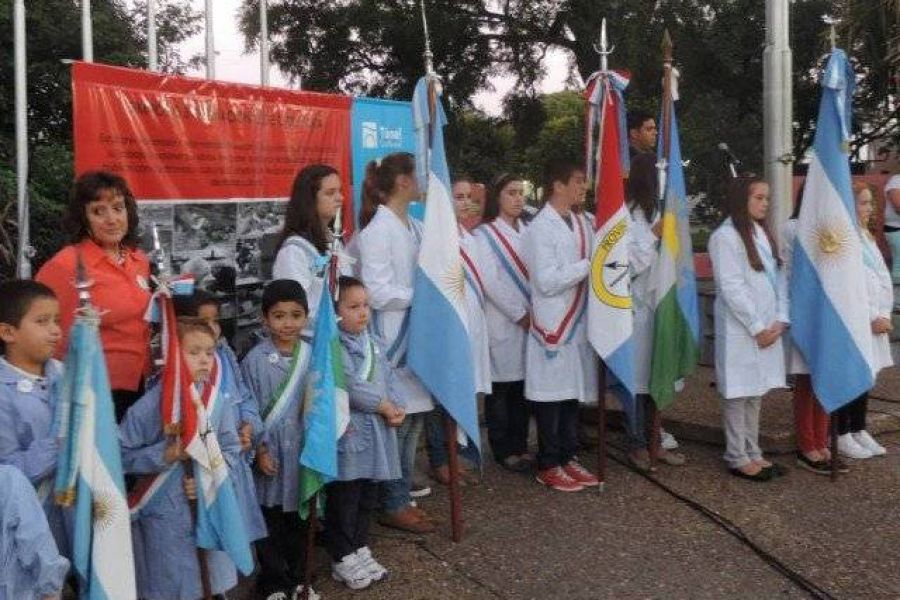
column 638, row 436
column 436, row 441
column 394, row 494
column 893, row 239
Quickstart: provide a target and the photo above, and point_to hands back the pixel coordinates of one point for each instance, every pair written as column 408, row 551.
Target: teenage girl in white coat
column 749, row 354
column 508, row 312
column 388, row 247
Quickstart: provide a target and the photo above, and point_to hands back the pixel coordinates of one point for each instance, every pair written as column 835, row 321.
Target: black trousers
column 851, row 417
column 282, row 555
column 507, row 413
column 557, row 425
column 348, row 512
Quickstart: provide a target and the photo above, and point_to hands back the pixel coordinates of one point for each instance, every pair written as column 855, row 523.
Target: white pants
column 740, row 419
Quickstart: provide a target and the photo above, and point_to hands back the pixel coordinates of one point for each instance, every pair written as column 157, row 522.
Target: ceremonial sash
column 367, row 367
column 868, row 256
column 289, row 390
column 552, row 339
column 472, row 275
column 396, row 352
column 509, row 259
column 147, row 487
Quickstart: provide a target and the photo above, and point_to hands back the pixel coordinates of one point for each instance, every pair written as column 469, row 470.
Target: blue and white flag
column 829, row 308
column 89, row 473
column 439, row 350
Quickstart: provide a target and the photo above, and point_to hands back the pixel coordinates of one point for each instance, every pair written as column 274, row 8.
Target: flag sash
column 366, row 370
column 289, row 388
column 509, row 259
column 472, row 276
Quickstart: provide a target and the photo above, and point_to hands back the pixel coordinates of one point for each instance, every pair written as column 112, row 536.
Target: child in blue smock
column 244, row 409
column 275, row 370
column 29, row 378
column 367, row 452
column 166, row 563
column 30, row 565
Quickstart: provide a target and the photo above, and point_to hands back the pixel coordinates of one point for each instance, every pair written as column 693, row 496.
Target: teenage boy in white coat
column 561, row 368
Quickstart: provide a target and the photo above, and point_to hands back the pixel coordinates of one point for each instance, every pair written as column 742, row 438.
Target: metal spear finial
column 603, row 49
column 158, row 256
column 429, row 56
column 82, row 283
column 832, row 23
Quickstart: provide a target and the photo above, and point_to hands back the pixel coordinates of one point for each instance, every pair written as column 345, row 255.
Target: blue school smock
column 30, row 564
column 264, row 369
column 241, row 408
column 165, row 551
column 27, row 442
column 368, row 449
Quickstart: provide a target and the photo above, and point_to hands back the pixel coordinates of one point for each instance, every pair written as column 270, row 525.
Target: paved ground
column 635, row 540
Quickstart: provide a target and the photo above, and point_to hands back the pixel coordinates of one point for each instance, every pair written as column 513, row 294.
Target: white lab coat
column 505, row 306
column 880, row 288
column 642, row 253
column 796, row 365
column 296, row 259
column 478, row 337
column 746, row 304
column 388, row 251
column 557, row 265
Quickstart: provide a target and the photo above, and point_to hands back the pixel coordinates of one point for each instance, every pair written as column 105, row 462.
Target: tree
column 119, row 39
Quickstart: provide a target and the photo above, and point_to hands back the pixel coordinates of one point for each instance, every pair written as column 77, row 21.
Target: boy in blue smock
column 166, row 564
column 275, row 370
column 367, row 452
column 244, row 408
column 29, row 333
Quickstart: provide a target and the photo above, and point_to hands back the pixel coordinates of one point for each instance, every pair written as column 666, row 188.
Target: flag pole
column 210, row 42
column 263, row 43
column 450, row 426
column 24, row 251
column 604, row 51
column 663, row 166
column 87, row 32
column 163, row 275
column 310, row 545
column 152, row 58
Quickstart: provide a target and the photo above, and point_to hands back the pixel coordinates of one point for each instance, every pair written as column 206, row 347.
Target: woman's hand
column 525, row 322
column 174, row 451
column 657, row 229
column 766, row 338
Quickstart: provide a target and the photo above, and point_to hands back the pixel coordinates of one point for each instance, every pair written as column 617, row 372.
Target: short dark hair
column 88, row 188
column 18, row 296
column 189, row 306
column 345, row 282
column 559, row 169
column 637, row 118
column 283, row 290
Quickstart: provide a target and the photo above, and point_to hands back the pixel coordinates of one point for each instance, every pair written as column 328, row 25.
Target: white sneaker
column 299, row 593
column 351, row 572
column 277, row 596
column 375, row 569
column 865, row 439
column 667, row 440
column 848, row 447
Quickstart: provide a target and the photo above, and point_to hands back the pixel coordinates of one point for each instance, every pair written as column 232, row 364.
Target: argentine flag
column 829, row 308
column 439, row 350
column 89, row 472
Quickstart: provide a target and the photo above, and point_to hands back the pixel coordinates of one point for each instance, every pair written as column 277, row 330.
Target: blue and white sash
column 509, row 259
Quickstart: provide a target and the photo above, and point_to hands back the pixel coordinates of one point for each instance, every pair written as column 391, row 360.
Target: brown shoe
column 442, row 475
column 640, row 460
column 406, row 519
column 424, row 516
column 672, row 458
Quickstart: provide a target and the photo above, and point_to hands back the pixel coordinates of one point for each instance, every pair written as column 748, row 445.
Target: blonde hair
column 188, row 325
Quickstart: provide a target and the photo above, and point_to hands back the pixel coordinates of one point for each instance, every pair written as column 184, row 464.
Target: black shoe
column 763, row 475
column 777, row 470
column 516, row 464
column 819, row 467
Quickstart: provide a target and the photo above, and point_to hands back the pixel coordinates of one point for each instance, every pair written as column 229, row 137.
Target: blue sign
column 380, row 127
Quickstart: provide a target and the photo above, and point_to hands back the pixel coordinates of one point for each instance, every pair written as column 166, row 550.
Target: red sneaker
column 580, row 475
column 557, row 479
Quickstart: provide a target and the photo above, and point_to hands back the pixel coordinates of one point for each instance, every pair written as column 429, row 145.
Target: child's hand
column 174, row 452
column 396, row 420
column 51, row 597
column 386, row 409
column 265, row 462
column 190, row 487
column 245, row 433
column 882, row 325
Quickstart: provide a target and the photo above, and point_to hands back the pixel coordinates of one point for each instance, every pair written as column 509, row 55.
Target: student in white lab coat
column 749, row 353
column 316, row 200
column 853, row 439
column 644, row 233
column 438, row 457
column 508, row 313
column 561, row 367
column 388, row 247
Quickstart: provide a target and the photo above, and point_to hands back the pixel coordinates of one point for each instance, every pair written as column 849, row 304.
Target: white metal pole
column 778, row 111
column 23, row 250
column 210, row 42
column 263, row 42
column 87, row 32
column 152, row 58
